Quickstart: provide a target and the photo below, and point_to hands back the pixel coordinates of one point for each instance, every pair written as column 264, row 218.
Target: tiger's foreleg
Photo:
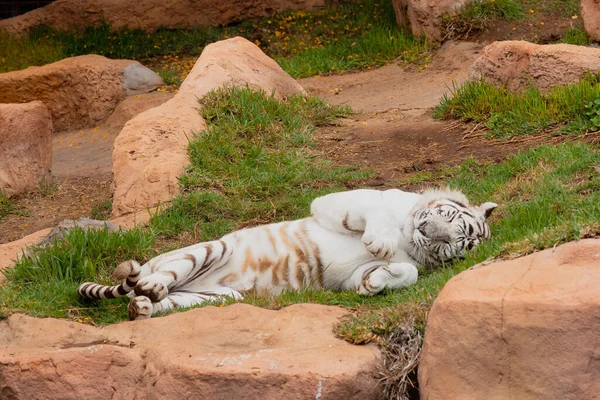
column 394, row 275
column 141, row 307
column 360, row 212
column 180, row 267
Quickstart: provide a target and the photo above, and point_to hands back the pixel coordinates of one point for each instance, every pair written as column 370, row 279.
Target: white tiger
column 362, row 240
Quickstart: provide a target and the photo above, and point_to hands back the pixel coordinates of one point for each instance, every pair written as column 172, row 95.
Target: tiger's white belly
column 293, row 255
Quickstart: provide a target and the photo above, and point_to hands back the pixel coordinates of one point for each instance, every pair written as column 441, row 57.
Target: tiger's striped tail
column 129, row 271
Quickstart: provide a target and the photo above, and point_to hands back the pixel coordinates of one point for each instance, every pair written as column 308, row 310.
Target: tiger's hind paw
column 155, row 291
column 140, row 307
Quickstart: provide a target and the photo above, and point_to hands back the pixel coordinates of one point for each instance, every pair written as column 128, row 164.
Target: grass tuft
column 507, row 114
column 7, row 206
column 44, row 283
column 577, row 36
column 101, row 211
column 475, row 17
column 47, row 186
column 255, row 163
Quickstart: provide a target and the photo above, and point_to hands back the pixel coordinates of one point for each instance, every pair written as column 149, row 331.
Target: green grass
column 339, row 37
column 47, row 186
column 7, row 206
column 101, row 211
column 564, row 8
column 547, row 195
column 475, row 17
column 507, row 114
column 44, row 284
column 577, row 36
column 255, row 163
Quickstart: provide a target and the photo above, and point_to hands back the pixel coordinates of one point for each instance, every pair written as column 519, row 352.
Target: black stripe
column 202, row 270
column 458, row 203
column 121, row 290
column 95, row 291
column 169, row 272
column 82, row 289
column 109, row 294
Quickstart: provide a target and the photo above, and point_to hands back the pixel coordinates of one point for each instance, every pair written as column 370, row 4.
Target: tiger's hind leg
column 177, row 268
column 141, row 307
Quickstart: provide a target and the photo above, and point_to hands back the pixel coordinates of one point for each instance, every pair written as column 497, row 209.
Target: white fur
column 366, row 241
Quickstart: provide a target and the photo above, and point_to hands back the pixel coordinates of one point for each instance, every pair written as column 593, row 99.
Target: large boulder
column 25, row 146
column 423, row 17
column 149, row 14
column 590, row 12
column 150, row 153
column 520, row 329
column 236, row 352
column 519, row 64
column 78, row 91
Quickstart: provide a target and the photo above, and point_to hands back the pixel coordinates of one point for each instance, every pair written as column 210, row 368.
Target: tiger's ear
column 488, row 208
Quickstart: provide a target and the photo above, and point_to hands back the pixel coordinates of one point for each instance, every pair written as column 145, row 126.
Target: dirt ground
column 81, row 174
column 392, row 133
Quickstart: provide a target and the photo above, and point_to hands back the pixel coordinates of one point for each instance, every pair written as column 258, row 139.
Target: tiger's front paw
column 382, row 243
column 140, row 307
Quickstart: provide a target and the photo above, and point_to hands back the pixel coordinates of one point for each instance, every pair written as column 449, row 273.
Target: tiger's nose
column 421, row 228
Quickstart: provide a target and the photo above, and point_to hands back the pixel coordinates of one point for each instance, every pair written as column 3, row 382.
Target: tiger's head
column 443, row 226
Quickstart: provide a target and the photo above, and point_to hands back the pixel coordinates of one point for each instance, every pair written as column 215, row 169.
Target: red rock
column 517, row 64
column 25, row 146
column 150, row 153
column 520, row 329
column 423, row 17
column 590, row 12
column 78, row 91
column 149, row 14
column 235, row 352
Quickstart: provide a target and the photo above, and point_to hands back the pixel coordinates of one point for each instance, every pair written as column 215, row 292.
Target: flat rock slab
column 519, row 64
column 520, row 329
column 235, row 352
